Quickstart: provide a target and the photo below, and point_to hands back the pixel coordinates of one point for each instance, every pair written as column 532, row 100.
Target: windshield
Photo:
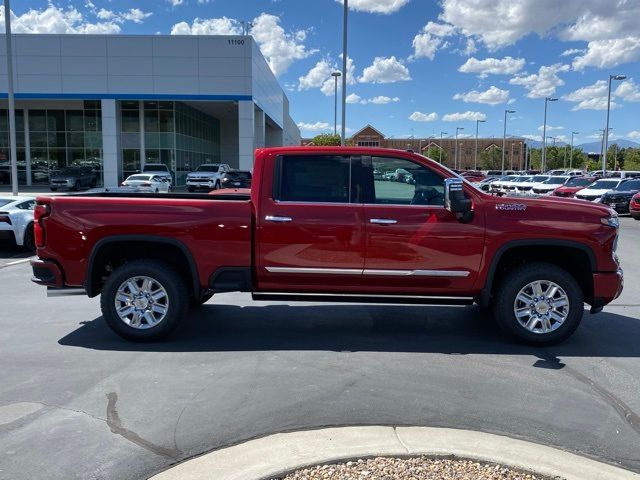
column 153, row 167
column 578, row 182
column 603, row 184
column 507, row 178
column 208, row 168
column 523, row 179
column 628, row 185
column 138, row 177
column 69, row 171
column 556, row 180
column 539, row 178
column 239, row 175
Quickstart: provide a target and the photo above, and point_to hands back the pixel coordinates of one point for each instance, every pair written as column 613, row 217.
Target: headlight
column 611, row 221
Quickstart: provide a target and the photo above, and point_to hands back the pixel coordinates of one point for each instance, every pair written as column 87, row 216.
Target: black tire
column 190, row 189
column 519, row 277
column 76, row 187
column 203, row 299
column 157, row 191
column 94, row 183
column 174, row 285
column 29, row 240
column 217, row 186
column 54, row 189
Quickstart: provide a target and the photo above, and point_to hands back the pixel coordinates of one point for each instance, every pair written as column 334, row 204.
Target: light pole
column 512, row 144
column 10, row 100
column 504, row 136
column 455, row 160
column 475, row 159
column 335, row 75
column 441, row 134
column 544, row 133
column 344, row 71
column 571, row 155
column 606, row 128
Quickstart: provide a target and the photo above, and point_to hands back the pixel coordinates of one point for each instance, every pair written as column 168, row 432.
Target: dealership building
column 115, row 102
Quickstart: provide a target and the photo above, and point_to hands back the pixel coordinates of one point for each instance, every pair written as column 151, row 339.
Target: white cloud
column 543, row 83
column 423, row 117
column 635, row 134
column 381, row 100
column 176, row 3
column 104, row 14
column 591, row 97
column 55, row 19
column 494, row 66
column 572, row 51
column 549, row 128
column 385, row 70
column 319, row 76
column 353, row 98
column 429, row 39
column 279, row 48
column 470, row 47
column 465, row 116
column 537, row 138
column 313, row 127
column 492, row 96
column 609, row 53
column 376, row 6
column 628, row 90
column 135, row 15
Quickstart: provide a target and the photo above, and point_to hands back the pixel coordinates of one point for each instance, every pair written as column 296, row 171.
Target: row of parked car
column 621, row 191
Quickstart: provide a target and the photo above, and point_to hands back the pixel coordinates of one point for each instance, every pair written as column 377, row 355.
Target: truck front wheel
column 539, row 304
column 144, row 300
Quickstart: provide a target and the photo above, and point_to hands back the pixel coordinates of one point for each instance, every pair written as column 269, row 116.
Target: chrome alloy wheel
column 141, row 302
column 541, row 306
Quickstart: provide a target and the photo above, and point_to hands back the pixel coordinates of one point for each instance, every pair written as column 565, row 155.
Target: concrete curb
column 270, row 456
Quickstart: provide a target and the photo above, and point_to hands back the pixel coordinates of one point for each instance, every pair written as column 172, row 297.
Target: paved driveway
column 78, row 402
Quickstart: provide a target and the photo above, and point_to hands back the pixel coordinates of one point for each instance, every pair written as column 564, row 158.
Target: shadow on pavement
column 366, row 328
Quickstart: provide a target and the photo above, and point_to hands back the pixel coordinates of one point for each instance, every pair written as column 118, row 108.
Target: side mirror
column 456, row 201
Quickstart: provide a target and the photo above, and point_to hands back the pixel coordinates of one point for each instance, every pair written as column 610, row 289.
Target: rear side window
column 314, row 178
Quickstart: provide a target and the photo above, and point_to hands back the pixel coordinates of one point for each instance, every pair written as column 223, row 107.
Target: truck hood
column 560, row 204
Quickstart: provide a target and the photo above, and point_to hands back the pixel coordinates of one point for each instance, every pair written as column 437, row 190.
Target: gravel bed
column 416, row 468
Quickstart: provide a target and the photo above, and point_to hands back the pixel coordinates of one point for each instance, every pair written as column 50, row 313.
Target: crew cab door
column 414, row 245
column 309, row 226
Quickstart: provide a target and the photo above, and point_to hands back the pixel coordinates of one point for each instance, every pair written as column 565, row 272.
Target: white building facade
column 116, row 102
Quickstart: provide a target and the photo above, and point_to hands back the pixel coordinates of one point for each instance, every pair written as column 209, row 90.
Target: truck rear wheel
column 144, row 300
column 539, row 304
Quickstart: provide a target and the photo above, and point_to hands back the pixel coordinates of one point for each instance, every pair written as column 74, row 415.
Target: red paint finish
column 221, row 230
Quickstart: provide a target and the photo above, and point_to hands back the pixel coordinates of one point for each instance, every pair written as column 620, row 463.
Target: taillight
column 146, row 184
column 39, row 214
column 4, row 218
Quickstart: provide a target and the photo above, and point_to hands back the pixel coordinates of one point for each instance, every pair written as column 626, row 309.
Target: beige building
column 514, row 155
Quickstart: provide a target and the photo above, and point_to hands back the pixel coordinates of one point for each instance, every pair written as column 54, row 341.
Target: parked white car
column 594, row 192
column 207, row 176
column 549, row 185
column 527, row 185
column 16, row 220
column 145, row 182
column 498, row 185
column 159, row 169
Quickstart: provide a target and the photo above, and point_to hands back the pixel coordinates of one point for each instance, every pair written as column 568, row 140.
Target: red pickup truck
column 333, row 224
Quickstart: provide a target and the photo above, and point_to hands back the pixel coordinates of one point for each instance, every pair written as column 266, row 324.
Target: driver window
column 401, row 182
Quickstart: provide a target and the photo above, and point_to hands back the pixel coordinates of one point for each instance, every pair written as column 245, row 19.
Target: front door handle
column 383, row 221
column 273, row 218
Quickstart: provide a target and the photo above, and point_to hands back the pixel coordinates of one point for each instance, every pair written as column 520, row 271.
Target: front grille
column 199, row 180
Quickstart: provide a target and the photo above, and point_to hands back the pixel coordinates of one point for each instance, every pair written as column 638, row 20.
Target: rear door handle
column 273, row 218
column 383, row 221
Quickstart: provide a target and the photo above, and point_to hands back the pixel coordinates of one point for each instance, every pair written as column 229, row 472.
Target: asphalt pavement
column 76, row 401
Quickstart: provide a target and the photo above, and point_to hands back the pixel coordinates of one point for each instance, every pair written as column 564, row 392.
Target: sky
column 416, row 67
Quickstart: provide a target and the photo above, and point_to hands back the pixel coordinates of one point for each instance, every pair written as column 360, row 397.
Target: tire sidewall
column 515, row 281
column 28, row 240
column 163, row 274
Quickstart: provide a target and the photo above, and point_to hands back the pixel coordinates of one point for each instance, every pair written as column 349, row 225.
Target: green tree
column 535, row 158
column 326, row 139
column 434, row 152
column 579, row 159
column 491, row 159
column 631, row 159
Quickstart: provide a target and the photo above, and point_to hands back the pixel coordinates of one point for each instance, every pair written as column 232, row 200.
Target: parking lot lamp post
column 571, row 154
column 335, row 75
column 544, row 133
column 440, row 152
column 344, row 72
column 455, row 160
column 10, row 100
column 504, row 136
column 475, row 158
column 606, row 128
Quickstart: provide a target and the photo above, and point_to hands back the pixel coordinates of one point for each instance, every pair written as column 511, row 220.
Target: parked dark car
column 236, row 179
column 5, row 176
column 620, row 197
column 73, row 178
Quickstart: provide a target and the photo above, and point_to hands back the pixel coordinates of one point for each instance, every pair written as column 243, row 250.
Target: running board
column 355, row 298
column 63, row 292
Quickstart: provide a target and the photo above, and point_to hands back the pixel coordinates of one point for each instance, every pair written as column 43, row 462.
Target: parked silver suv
column 207, row 176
